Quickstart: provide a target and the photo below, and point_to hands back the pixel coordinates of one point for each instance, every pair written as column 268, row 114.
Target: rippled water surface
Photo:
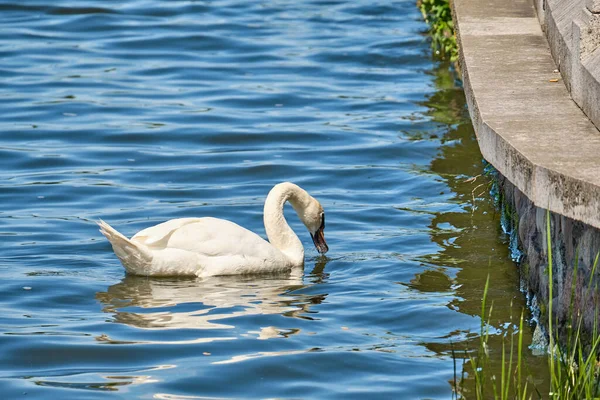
column 141, row 111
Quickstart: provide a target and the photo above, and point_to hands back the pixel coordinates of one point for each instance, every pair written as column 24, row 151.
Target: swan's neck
column 278, row 231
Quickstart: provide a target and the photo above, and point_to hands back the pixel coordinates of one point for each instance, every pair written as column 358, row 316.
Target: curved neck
column 279, row 232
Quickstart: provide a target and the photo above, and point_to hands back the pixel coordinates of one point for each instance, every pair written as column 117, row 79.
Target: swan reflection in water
column 180, row 303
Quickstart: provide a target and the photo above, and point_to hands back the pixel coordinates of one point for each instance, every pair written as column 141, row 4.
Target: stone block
column 586, row 33
column 593, row 6
column 591, row 92
column 540, row 6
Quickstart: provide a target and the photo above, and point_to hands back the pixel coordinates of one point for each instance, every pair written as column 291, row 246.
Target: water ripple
column 141, row 111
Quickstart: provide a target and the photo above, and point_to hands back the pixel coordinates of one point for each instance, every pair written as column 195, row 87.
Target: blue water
column 141, row 111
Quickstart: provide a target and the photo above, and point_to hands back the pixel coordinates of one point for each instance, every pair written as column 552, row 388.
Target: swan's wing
column 211, row 237
column 217, row 238
column 158, row 235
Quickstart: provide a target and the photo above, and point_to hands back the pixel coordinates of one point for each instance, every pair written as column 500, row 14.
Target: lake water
column 141, row 111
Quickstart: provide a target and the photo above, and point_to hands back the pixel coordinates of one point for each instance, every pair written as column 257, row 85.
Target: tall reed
column 573, row 361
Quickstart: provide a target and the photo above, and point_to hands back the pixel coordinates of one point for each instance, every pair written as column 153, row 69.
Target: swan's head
column 314, row 219
column 309, row 211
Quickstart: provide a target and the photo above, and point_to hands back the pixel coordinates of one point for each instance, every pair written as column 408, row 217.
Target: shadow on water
column 210, row 304
column 175, row 317
column 470, row 239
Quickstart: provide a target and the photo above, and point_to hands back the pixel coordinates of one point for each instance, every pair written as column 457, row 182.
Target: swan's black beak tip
column 319, row 241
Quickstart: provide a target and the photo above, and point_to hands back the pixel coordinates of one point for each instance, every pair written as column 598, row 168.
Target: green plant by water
column 438, row 14
column 572, row 360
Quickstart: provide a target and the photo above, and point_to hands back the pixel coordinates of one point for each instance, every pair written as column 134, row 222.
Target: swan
column 211, row 246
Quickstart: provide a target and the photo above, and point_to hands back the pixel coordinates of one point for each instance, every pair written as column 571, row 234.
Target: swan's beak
column 319, row 241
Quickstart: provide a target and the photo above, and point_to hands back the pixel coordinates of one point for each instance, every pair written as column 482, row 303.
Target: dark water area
column 137, row 112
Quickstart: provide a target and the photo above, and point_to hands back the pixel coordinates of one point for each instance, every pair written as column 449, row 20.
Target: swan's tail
column 135, row 257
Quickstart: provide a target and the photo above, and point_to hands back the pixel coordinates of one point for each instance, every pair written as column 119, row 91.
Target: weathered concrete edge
column 547, row 187
column 574, row 248
column 573, row 31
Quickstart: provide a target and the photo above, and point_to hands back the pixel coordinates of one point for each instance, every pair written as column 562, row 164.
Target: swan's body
column 211, row 246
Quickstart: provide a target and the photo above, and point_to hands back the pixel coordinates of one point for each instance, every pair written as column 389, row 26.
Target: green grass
column 511, row 382
column 438, row 14
column 573, row 360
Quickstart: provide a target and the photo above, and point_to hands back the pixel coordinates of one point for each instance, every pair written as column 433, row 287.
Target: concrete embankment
column 546, row 149
column 573, row 31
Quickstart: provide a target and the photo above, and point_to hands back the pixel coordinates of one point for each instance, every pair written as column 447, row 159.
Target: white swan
column 211, row 246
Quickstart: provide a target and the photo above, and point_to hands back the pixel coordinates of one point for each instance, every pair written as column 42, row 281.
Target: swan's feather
column 206, row 236
column 158, row 235
column 211, row 246
column 220, row 247
column 136, row 258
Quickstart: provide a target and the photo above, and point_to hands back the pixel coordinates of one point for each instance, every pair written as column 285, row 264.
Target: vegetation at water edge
column 573, row 360
column 438, row 14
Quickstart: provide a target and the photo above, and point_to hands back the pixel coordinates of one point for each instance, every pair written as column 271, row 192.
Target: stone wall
column 531, row 131
column 573, row 244
column 572, row 28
